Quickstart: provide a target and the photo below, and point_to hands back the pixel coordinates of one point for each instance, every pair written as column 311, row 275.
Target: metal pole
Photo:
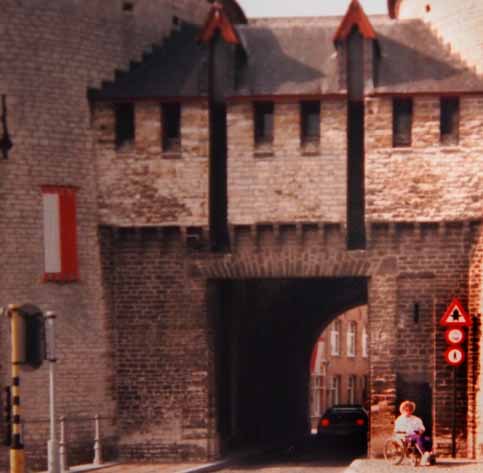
column 17, row 452
column 453, row 427
column 52, row 444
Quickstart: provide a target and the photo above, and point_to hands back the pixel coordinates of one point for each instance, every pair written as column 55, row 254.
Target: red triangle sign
column 455, row 315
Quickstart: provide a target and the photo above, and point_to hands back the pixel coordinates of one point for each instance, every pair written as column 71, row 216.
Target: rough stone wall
column 138, row 183
column 427, row 181
column 50, row 53
column 160, row 292
column 458, row 23
column 287, row 182
column 290, row 185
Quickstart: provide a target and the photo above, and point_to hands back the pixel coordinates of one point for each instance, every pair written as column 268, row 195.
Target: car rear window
column 351, row 414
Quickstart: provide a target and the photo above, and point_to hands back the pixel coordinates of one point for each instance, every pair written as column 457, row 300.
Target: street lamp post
column 53, row 444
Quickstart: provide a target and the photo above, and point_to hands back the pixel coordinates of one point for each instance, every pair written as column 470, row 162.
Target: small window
column 127, row 6
column 263, row 123
column 60, row 233
column 351, row 389
column 365, row 343
column 171, row 124
column 318, row 357
column 310, row 122
column 450, row 121
column 351, row 339
column 124, row 123
column 334, row 393
column 402, row 122
column 335, row 338
column 316, row 386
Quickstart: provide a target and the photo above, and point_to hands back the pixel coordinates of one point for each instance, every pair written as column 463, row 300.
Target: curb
column 352, row 468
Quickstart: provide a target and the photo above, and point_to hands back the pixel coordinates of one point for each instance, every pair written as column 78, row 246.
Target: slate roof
column 178, row 68
column 297, row 56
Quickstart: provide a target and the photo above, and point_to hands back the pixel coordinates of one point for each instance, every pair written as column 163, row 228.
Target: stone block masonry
column 426, row 181
column 51, row 52
column 167, row 383
column 138, row 183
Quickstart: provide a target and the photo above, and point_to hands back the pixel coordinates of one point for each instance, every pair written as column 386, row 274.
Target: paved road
column 293, row 460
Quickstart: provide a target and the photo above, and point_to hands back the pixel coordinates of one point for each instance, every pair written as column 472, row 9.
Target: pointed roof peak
column 218, row 20
column 355, row 16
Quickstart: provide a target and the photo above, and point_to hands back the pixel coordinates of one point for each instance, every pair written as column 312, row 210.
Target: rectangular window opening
column 124, row 113
column 171, row 124
column 449, row 121
column 351, row 339
column 402, row 122
column 351, row 389
column 335, row 338
column 263, row 123
column 60, row 233
column 310, row 122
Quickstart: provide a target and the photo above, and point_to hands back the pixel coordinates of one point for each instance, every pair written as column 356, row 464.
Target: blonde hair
column 407, row 404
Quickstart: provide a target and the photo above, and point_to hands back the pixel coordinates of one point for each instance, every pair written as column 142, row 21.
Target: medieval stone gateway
column 197, row 195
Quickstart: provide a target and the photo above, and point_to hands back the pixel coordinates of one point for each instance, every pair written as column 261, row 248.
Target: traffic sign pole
column 453, row 426
column 455, row 319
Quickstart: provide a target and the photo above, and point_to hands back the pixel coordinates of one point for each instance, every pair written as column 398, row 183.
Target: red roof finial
column 355, row 16
column 217, row 20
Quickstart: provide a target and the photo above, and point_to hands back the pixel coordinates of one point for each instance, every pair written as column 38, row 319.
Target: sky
column 254, row 8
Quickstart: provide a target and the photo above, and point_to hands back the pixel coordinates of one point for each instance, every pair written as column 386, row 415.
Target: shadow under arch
column 265, row 332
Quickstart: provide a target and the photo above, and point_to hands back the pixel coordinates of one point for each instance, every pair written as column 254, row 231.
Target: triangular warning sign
column 455, row 315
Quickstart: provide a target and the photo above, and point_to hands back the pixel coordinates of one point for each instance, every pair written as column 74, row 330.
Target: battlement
column 330, row 235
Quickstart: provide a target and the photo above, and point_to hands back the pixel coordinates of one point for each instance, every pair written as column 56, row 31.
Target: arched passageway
column 265, row 330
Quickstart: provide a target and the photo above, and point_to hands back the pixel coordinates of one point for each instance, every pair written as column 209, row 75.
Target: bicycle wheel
column 394, row 451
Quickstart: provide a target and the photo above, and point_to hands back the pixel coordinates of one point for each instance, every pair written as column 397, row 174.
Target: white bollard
column 97, row 441
column 63, row 448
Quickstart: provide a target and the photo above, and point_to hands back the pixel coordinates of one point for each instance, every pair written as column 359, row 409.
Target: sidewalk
column 151, row 467
column 442, row 466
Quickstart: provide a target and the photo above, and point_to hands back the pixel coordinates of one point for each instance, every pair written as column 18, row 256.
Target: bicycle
column 398, row 447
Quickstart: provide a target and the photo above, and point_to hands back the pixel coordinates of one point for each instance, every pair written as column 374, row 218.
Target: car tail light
column 325, row 422
column 360, row 422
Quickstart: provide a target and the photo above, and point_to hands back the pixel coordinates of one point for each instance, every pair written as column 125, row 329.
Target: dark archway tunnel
column 264, row 333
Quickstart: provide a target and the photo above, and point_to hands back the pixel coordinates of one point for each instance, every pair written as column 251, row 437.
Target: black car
column 344, row 420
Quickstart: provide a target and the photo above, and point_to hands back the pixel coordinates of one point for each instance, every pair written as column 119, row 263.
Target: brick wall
column 138, row 184
column 159, row 286
column 458, row 23
column 474, row 362
column 424, row 182
column 288, row 186
column 51, row 52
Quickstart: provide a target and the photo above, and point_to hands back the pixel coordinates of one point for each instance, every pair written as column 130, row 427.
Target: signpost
column 455, row 319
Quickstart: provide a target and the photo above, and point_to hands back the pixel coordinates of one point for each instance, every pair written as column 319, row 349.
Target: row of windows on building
column 356, row 389
column 309, row 123
column 352, row 339
column 337, row 389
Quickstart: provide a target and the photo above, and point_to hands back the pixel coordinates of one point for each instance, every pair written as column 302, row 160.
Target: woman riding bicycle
column 412, row 428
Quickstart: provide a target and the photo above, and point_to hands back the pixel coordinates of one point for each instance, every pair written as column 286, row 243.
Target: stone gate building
column 197, row 217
